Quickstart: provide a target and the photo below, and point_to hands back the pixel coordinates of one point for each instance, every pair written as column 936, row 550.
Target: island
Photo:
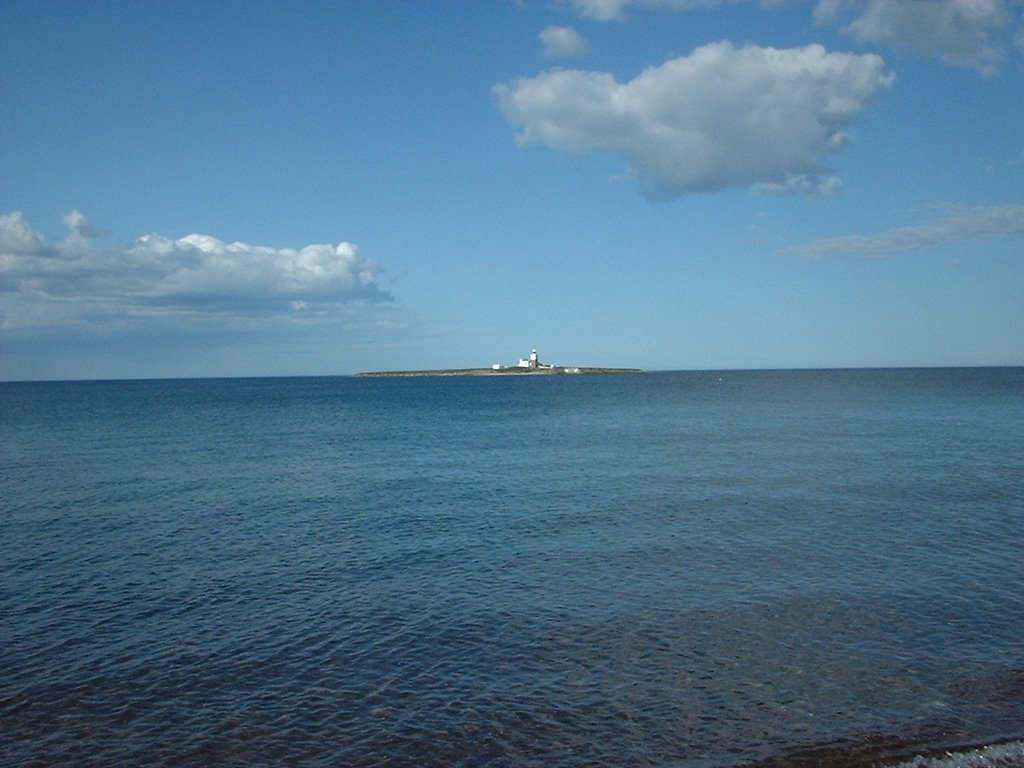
column 529, row 366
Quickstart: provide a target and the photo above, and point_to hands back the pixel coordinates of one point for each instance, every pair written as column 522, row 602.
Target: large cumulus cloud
column 724, row 116
column 196, row 278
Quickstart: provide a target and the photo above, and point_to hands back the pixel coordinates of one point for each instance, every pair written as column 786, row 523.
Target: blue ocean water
column 667, row 569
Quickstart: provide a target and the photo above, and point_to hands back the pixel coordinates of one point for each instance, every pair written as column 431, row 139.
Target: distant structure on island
column 532, row 362
column 526, row 365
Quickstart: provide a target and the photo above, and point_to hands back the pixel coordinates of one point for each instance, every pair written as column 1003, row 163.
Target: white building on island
column 532, row 362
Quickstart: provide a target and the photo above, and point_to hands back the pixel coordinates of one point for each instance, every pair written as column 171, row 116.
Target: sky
column 258, row 188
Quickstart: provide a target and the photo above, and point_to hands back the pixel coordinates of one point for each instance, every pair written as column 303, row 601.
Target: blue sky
column 255, row 188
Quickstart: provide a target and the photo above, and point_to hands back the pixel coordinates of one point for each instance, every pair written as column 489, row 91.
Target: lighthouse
column 533, row 359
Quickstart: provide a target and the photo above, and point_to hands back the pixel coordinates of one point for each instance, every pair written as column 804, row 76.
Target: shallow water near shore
column 669, row 569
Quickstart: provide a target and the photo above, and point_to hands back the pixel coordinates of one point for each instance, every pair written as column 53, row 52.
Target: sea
column 688, row 569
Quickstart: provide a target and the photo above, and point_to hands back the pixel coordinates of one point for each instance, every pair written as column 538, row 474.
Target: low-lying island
column 510, row 371
column 527, row 366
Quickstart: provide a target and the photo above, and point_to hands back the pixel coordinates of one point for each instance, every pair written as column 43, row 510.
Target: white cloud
column 615, row 10
column 973, row 34
column 959, row 224
column 563, row 42
column 601, row 10
column 80, row 225
column 962, row 33
column 16, row 236
column 197, row 278
column 720, row 117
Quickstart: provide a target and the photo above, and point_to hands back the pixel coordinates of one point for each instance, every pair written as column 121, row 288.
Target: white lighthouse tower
column 529, row 362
